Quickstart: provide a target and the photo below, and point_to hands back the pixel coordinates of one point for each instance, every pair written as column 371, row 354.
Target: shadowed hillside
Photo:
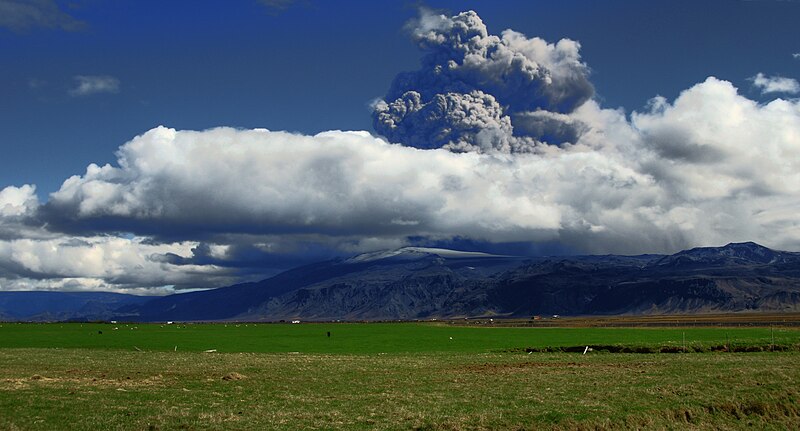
column 417, row 283
column 423, row 283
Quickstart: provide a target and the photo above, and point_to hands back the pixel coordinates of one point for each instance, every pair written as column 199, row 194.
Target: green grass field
column 354, row 338
column 388, row 376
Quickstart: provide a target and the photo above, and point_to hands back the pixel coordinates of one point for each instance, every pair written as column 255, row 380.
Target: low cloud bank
column 710, row 167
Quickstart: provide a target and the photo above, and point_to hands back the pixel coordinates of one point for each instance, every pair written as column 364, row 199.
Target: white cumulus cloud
column 101, row 263
column 775, row 84
column 18, row 201
column 708, row 168
column 334, row 183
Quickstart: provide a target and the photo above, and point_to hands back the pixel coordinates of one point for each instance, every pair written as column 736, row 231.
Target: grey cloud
column 549, row 127
column 675, row 143
column 24, row 15
column 493, row 81
column 445, row 119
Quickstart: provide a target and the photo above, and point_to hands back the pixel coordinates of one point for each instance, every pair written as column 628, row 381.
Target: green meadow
column 400, row 376
column 367, row 338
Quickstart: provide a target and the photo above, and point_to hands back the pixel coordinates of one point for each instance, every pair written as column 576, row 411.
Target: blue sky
column 654, row 126
column 316, row 65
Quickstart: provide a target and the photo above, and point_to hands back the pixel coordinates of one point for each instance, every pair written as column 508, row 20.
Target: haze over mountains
column 423, row 283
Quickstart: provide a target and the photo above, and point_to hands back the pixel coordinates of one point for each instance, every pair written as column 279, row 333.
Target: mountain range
column 423, row 283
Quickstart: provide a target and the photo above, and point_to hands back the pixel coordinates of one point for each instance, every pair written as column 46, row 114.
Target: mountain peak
column 408, row 253
column 749, row 250
column 732, row 253
column 746, row 244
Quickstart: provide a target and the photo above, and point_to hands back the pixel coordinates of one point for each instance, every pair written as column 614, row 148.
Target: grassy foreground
column 426, row 383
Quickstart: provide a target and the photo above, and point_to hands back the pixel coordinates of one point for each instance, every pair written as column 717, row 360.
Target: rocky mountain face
column 736, row 277
column 421, row 283
column 409, row 283
column 416, row 283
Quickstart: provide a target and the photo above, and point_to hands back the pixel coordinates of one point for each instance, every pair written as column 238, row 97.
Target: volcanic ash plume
column 480, row 92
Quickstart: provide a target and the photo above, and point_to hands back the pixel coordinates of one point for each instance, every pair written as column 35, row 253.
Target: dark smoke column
column 480, row 92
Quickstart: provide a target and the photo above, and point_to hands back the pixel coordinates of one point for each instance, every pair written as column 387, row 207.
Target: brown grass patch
column 233, row 376
column 491, row 368
column 87, row 381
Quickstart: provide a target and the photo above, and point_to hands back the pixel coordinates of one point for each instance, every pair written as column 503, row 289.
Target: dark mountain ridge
column 422, row 283
column 745, row 253
column 53, row 306
column 417, row 283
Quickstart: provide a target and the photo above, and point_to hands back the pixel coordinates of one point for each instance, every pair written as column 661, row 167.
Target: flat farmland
column 391, row 376
column 371, row 338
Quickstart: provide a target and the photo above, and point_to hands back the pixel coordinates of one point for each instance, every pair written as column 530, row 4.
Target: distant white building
column 295, row 321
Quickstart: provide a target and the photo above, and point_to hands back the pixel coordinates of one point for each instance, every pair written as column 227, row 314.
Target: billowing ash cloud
column 481, row 92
